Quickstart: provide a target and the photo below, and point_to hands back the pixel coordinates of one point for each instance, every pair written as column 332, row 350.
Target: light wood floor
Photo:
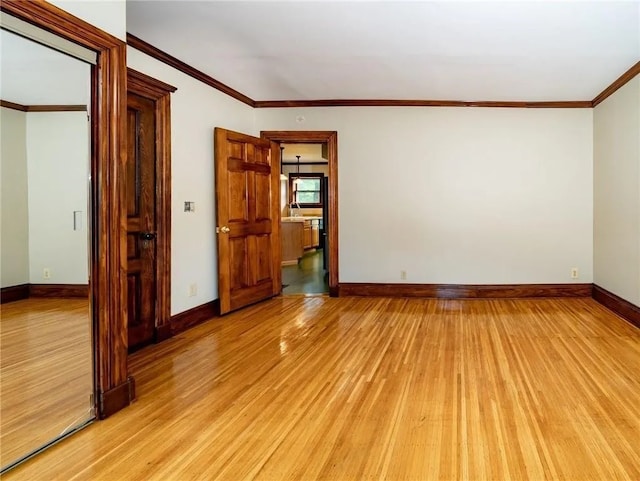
column 46, row 372
column 357, row 389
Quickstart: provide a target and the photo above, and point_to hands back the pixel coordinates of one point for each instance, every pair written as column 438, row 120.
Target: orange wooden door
column 141, row 220
column 248, row 221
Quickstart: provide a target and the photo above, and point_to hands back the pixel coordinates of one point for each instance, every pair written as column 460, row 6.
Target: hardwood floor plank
column 368, row 388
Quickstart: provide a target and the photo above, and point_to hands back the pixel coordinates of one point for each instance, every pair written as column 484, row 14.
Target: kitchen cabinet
column 308, row 238
column 291, row 242
column 297, row 235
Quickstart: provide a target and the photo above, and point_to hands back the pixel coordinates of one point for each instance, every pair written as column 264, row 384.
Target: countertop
column 301, row 218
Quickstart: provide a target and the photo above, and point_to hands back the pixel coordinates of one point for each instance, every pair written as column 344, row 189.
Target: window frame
column 306, row 175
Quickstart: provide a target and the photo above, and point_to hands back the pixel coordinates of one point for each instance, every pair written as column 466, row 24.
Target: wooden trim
column 619, row 82
column 13, row 106
column 618, row 305
column 108, row 161
column 331, row 138
column 196, row 315
column 14, row 293
column 160, row 92
column 146, row 86
column 465, row 291
column 263, row 104
column 56, row 108
column 59, row 290
column 43, row 108
column 305, row 163
column 187, row 69
column 162, row 333
column 178, row 64
column 114, row 399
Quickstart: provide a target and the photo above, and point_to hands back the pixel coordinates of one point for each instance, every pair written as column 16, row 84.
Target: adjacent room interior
column 405, row 245
column 304, row 192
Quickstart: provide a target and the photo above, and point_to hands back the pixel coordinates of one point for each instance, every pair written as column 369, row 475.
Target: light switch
column 189, row 206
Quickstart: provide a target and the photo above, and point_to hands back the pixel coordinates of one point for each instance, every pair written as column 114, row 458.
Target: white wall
column 196, row 109
column 617, row 193
column 58, row 169
column 108, row 15
column 13, row 207
column 459, row 195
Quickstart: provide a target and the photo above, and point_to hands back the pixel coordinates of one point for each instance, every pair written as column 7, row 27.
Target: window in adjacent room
column 307, row 192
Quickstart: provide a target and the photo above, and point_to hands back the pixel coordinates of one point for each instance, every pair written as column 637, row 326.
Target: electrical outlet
column 193, row 290
column 46, row 273
column 574, row 273
column 403, row 275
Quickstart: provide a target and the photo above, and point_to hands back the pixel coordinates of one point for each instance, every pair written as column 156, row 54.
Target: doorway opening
column 308, row 211
column 303, row 210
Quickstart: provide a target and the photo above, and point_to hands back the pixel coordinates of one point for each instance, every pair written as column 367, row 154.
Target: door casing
column 115, row 389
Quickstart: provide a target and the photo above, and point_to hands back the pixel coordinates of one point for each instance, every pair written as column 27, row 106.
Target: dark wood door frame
column 331, row 138
column 160, row 92
column 114, row 387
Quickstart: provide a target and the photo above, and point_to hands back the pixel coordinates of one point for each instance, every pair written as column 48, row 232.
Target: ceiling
column 32, row 74
column 439, row 50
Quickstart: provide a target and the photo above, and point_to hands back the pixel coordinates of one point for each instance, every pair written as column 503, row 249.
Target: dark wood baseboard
column 115, row 399
column 465, row 291
column 196, row 315
column 59, row 290
column 24, row 291
column 162, row 333
column 14, row 293
column 617, row 304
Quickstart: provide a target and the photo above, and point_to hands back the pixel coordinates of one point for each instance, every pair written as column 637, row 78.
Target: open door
column 248, row 221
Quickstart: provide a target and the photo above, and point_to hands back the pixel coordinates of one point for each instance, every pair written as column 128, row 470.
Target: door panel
column 263, row 191
column 247, row 183
column 141, row 202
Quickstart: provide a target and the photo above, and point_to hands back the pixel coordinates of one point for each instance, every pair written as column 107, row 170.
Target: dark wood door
column 248, row 222
column 141, row 220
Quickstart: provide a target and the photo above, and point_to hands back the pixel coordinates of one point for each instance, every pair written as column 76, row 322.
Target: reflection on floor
column 46, row 372
column 307, row 277
column 388, row 389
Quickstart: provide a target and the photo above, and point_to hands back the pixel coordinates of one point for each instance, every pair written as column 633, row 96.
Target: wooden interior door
column 248, row 221
column 141, row 219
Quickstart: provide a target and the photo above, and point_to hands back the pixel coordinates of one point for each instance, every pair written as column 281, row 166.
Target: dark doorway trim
column 108, row 289
column 160, row 92
column 331, row 138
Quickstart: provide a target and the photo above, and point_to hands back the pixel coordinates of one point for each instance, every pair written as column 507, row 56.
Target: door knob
column 147, row 235
column 224, row 229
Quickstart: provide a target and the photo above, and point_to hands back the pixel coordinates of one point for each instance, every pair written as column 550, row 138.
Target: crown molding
column 185, row 68
column 579, row 104
column 617, row 83
column 43, row 108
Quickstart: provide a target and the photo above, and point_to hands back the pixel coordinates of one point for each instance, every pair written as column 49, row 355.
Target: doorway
column 46, row 367
column 309, row 209
column 114, row 388
column 304, row 184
